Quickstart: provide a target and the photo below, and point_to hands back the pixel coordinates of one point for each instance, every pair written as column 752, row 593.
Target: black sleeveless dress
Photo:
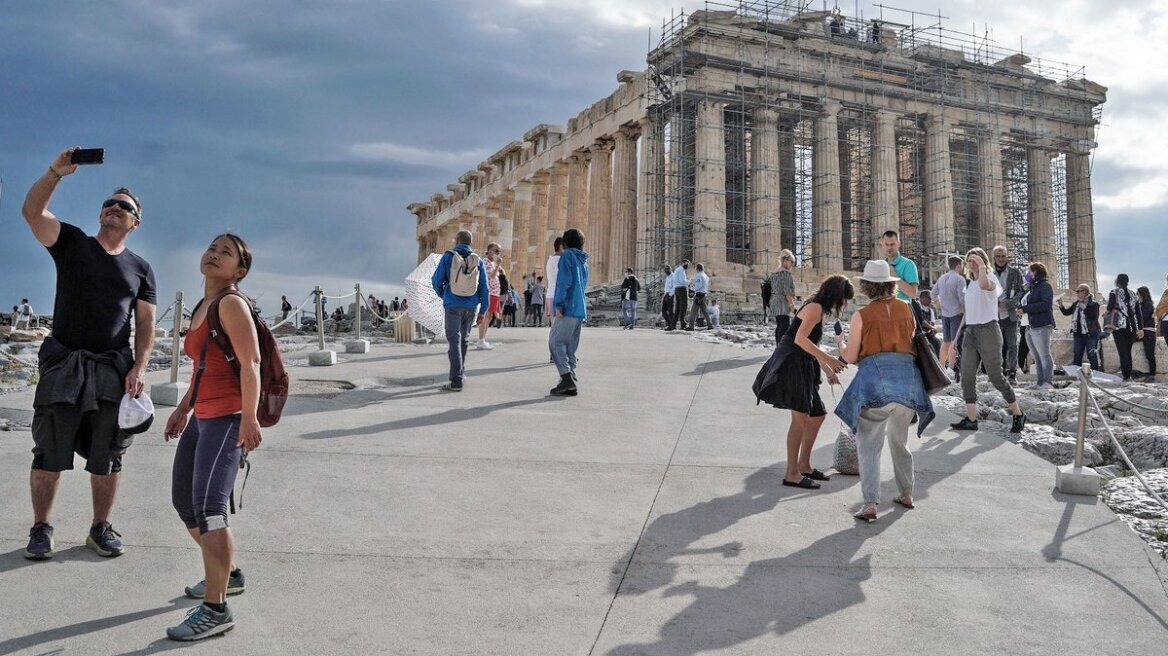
column 790, row 379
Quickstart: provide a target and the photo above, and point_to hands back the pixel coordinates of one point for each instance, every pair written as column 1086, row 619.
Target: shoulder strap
column 217, row 333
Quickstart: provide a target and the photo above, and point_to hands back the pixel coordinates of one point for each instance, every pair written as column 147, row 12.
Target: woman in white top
column 552, row 266
column 982, row 341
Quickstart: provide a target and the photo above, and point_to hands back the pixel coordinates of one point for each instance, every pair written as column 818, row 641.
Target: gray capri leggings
column 205, row 466
column 983, row 343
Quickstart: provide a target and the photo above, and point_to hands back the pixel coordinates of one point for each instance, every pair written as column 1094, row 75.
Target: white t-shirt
column 981, row 305
column 552, row 268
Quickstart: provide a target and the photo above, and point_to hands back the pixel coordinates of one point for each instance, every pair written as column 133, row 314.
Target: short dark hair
column 956, row 261
column 124, row 191
column 629, row 270
column 539, row 278
column 834, row 293
column 701, row 267
column 558, row 243
column 573, row 238
column 1039, row 268
column 890, row 233
column 877, row 289
column 464, row 237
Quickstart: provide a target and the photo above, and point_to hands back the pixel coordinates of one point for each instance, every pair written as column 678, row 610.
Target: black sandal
column 806, row 483
column 817, row 475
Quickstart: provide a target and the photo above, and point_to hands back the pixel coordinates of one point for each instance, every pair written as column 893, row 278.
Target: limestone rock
column 1146, row 446
column 1128, row 498
column 1057, row 449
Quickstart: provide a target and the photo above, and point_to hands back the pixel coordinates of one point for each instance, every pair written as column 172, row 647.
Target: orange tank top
column 888, row 328
column 219, row 390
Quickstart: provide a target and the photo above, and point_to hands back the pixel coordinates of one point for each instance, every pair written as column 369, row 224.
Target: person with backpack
column 571, row 310
column 224, row 428
column 1124, row 323
column 461, row 282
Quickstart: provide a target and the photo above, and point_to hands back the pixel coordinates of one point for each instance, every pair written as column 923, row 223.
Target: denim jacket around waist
column 885, row 378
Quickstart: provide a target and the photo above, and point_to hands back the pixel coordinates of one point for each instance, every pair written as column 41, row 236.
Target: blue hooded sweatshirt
column 571, row 279
column 441, row 283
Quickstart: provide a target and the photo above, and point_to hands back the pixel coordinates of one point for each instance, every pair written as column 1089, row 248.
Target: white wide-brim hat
column 877, row 271
column 136, row 413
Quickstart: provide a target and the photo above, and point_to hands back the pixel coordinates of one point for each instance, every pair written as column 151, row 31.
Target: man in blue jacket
column 460, row 309
column 571, row 310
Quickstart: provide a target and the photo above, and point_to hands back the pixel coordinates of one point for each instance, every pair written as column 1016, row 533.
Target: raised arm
column 45, row 227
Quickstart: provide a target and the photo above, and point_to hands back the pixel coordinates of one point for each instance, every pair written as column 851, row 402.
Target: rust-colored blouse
column 888, row 328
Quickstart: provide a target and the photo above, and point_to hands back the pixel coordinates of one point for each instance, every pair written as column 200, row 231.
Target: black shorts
column 59, row 431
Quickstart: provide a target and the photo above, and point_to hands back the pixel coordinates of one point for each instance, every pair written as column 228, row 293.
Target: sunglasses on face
column 128, row 207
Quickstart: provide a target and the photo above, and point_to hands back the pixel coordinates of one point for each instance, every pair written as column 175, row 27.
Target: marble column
column 538, row 226
column 710, row 188
column 423, row 248
column 1080, row 222
column 992, row 214
column 651, row 198
column 1040, row 231
column 559, row 183
column 826, row 213
column 885, row 196
column 577, row 190
column 520, row 228
column 938, row 175
column 478, row 228
column 598, row 231
column 765, row 191
column 624, row 203
column 788, row 123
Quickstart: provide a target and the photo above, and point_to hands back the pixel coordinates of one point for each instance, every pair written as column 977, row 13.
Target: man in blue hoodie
column 571, row 311
column 460, row 309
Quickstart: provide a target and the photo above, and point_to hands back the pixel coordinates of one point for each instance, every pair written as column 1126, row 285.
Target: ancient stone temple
column 759, row 126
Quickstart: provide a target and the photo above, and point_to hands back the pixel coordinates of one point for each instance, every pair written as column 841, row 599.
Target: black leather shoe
column 964, row 425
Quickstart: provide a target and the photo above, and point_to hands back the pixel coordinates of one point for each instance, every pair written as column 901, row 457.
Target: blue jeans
column 458, row 325
column 1039, row 341
column 628, row 312
column 563, row 341
column 1090, row 345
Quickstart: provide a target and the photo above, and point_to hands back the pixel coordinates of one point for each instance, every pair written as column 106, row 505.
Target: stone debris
column 1128, row 498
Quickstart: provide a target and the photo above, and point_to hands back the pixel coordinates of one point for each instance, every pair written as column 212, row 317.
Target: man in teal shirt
column 906, row 269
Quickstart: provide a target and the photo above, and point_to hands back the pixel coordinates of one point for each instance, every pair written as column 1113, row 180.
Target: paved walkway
column 643, row 517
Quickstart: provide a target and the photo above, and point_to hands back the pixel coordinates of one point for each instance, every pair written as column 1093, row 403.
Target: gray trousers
column 890, row 420
column 699, row 305
column 1009, row 345
column 983, row 343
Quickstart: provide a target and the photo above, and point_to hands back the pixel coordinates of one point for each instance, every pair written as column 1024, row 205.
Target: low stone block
column 322, row 358
column 1083, row 481
column 357, row 346
column 168, row 394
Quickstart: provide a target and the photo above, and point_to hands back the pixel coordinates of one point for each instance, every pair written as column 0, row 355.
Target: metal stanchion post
column 1075, row 478
column 319, row 316
column 1081, row 432
column 172, row 393
column 176, row 345
column 357, row 305
column 358, row 345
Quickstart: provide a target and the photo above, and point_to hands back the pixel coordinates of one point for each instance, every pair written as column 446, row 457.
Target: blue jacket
column 571, row 279
column 441, row 283
column 1039, row 306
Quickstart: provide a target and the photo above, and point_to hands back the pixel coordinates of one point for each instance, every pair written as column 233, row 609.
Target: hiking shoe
column 567, row 386
column 105, row 540
column 965, row 424
column 202, row 622
column 40, row 542
column 235, row 585
column 1018, row 423
column 451, row 387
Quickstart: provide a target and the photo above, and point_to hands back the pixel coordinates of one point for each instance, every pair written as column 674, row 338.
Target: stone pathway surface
column 644, row 516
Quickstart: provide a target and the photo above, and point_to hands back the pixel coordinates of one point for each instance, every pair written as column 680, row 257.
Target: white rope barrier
column 169, row 309
column 1128, row 402
column 377, row 314
column 1123, row 454
column 294, row 313
column 335, row 298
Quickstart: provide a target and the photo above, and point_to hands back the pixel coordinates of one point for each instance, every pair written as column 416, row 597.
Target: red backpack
column 273, row 378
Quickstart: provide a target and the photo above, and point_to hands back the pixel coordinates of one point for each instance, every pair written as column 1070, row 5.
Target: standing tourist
column 887, row 391
column 1011, row 281
column 285, row 308
column 715, row 313
column 494, row 307
column 461, row 282
column 552, row 268
column 1124, row 318
column 701, row 287
column 783, row 294
column 86, row 364
column 679, row 283
column 1147, row 315
column 1039, row 310
column 571, row 310
column 927, row 316
column 538, row 294
column 950, row 291
column 791, row 378
column 1085, row 327
column 1161, row 312
column 906, row 269
column 25, row 316
column 982, row 342
column 629, row 288
column 667, row 296
column 225, row 427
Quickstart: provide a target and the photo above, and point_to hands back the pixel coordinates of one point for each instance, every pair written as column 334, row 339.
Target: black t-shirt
column 96, row 292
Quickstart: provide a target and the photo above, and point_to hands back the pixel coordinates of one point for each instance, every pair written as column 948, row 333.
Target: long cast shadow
column 451, row 415
column 724, row 365
column 90, row 626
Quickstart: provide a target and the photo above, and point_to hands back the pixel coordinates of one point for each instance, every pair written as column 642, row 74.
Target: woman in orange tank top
column 223, row 429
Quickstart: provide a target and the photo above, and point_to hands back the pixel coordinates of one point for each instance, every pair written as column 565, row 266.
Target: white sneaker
column 483, row 345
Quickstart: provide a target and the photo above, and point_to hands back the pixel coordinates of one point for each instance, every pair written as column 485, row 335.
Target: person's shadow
column 91, row 626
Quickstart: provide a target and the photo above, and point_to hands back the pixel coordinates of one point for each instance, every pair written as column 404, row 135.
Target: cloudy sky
column 308, row 127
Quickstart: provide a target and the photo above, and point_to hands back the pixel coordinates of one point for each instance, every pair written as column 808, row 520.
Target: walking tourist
column 791, row 378
column 492, row 262
column 1147, row 316
column 223, row 430
column 571, row 310
column 783, row 294
column 1011, row 280
column 629, row 288
column 1039, row 310
column 1124, row 319
column 86, row 364
column 701, row 288
column 950, row 292
column 285, row 308
column 25, row 316
column 667, row 296
column 552, row 268
column 887, row 391
column 1085, row 329
column 982, row 342
column 679, row 283
column 461, row 282
column 538, row 294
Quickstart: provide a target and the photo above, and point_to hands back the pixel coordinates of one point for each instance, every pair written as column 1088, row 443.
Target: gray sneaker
column 235, row 585
column 202, row 622
column 40, row 542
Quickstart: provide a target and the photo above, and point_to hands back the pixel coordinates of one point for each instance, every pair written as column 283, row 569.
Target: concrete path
column 643, row 517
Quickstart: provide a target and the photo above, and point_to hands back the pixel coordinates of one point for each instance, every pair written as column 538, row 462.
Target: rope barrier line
column 294, row 313
column 335, row 298
column 1120, row 398
column 169, row 309
column 1123, row 454
column 365, row 300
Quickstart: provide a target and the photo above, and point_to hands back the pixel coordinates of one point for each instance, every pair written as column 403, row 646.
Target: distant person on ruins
column 405, row 305
column 887, row 392
column 395, row 304
column 679, row 283
column 791, row 378
column 464, row 295
column 906, row 269
column 950, row 292
column 836, row 26
column 285, row 308
column 1161, row 312
column 1085, row 327
column 552, row 269
column 492, row 262
column 1147, row 314
column 1124, row 319
column 715, row 313
column 783, row 294
column 24, row 316
column 571, row 310
column 538, row 295
column 982, row 342
column 701, row 287
column 1011, row 280
column 1039, row 310
column 629, row 288
column 876, row 33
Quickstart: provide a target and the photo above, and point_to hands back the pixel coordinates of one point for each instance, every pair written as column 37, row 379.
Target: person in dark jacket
column 1084, row 326
column 1039, row 309
column 1121, row 308
column 460, row 310
column 1147, row 312
column 629, row 288
column 571, row 310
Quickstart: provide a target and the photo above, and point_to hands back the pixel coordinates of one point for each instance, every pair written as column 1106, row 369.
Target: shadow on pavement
column 451, row 415
column 725, row 365
column 89, row 626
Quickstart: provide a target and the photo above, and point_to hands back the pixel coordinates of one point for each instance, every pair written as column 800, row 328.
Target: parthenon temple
column 762, row 126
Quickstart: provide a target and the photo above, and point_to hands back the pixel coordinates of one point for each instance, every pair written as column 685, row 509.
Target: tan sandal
column 908, row 505
column 867, row 513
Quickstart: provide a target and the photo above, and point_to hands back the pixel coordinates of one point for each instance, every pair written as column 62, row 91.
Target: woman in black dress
column 790, row 380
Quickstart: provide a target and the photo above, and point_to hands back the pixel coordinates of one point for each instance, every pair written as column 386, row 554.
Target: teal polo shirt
column 906, row 270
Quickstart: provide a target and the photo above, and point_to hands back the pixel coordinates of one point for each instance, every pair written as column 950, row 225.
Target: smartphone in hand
column 88, row 156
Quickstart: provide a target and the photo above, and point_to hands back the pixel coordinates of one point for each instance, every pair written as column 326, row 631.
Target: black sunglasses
column 122, row 204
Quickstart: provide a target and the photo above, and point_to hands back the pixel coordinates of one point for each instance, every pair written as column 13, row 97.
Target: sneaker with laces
column 483, row 345
column 40, row 542
column 236, row 584
column 105, row 540
column 202, row 622
column 966, row 424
